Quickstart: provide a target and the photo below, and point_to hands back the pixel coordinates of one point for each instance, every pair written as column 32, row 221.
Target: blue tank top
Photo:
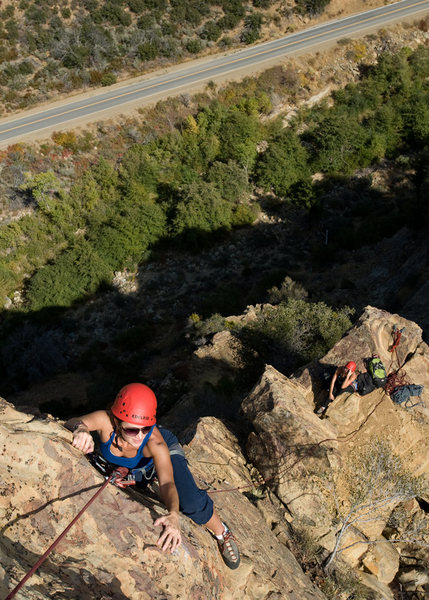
column 136, row 462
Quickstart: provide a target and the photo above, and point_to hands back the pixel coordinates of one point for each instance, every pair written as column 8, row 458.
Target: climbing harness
column 136, row 475
column 117, row 478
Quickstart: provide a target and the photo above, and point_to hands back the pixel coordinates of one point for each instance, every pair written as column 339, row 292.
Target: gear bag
column 402, row 395
column 377, row 371
column 365, row 384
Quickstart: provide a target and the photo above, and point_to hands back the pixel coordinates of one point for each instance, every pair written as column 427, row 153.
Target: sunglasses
column 134, row 431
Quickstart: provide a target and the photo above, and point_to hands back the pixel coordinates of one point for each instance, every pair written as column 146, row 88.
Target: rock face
column 296, row 449
column 111, row 551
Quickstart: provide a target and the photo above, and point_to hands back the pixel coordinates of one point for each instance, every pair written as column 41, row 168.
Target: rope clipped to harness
column 120, row 478
column 116, row 477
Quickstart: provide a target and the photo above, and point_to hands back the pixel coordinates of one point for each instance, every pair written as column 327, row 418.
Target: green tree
column 283, row 164
column 124, row 240
column 416, row 118
column 139, row 166
column 84, row 197
column 239, row 135
column 201, row 209
column 337, row 143
column 388, row 123
column 231, row 180
column 42, row 187
column 78, row 271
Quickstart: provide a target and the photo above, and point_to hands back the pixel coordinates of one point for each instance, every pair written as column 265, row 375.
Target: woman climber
column 347, row 379
column 130, row 438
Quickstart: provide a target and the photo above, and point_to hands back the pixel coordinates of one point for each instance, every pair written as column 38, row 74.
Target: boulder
column 382, row 559
column 381, row 590
column 290, row 446
column 372, row 334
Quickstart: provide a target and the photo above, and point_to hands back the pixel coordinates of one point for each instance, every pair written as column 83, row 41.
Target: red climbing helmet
column 351, row 366
column 136, row 404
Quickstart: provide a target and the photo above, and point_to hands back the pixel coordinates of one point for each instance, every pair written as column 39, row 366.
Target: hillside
column 131, row 261
column 52, row 49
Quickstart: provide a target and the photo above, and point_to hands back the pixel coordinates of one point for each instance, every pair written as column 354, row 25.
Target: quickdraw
column 119, row 478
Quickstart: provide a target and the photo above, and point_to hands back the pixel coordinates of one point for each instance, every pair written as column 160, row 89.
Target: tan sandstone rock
column 382, row 560
column 290, row 446
column 294, row 447
column 111, row 552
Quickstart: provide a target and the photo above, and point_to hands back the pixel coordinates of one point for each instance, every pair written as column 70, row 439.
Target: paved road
column 40, row 122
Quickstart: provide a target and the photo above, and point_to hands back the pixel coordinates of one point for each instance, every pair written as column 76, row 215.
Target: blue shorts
column 194, row 502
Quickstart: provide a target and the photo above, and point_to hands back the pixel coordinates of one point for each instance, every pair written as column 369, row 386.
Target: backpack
column 377, row 371
column 365, row 384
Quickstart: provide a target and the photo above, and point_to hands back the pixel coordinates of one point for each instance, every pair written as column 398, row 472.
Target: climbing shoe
column 229, row 550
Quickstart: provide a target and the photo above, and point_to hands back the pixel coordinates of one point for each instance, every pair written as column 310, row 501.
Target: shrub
column 7, row 280
column 108, row 79
column 148, row 51
column 37, row 15
column 209, row 326
column 136, row 6
column 66, row 139
column 211, row 31
column 12, row 31
column 252, row 31
column 77, row 272
column 245, row 214
column 295, row 332
column 112, row 12
column 200, row 210
column 194, row 46
column 372, row 480
column 288, row 289
column 261, row 3
column 311, row 7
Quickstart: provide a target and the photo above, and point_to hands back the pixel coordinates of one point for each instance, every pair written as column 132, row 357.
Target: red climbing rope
column 396, row 335
column 115, row 477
